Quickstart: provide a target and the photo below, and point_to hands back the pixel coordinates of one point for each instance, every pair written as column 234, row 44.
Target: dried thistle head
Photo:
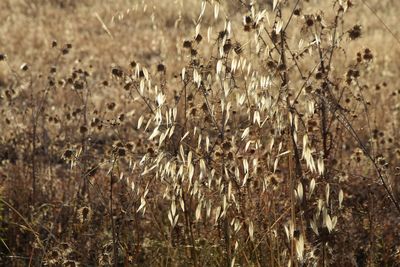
column 198, row 38
column 355, row 32
column 187, row 44
column 68, row 154
column 111, row 106
column 117, row 72
column 309, row 20
column 84, row 214
column 161, row 67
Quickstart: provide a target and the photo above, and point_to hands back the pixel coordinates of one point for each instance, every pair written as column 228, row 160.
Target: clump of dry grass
column 232, row 134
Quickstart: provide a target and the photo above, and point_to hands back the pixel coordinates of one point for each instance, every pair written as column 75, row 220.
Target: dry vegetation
column 199, row 133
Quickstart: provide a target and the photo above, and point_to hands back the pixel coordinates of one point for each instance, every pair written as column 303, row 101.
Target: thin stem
column 114, row 235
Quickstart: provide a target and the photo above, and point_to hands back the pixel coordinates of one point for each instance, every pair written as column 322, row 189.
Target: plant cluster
column 263, row 148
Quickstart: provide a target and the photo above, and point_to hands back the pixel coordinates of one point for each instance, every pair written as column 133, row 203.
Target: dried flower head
column 68, row 154
column 111, row 105
column 117, row 72
column 83, row 129
column 355, row 32
column 161, row 67
column 309, row 20
column 199, row 38
column 84, row 214
column 187, row 44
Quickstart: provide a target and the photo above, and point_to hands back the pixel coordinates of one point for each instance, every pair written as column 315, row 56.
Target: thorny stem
column 291, row 133
column 33, row 157
column 190, row 230
column 35, row 115
column 187, row 211
column 84, row 191
column 226, row 227
column 324, row 123
column 285, row 81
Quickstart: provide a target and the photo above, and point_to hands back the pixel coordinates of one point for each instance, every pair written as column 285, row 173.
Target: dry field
column 199, row 133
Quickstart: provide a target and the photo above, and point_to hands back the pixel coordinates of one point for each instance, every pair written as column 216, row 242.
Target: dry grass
column 149, row 133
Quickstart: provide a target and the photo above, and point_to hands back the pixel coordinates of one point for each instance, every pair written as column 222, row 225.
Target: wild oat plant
column 254, row 143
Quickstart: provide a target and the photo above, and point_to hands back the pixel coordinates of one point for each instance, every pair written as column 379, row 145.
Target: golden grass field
column 199, row 133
